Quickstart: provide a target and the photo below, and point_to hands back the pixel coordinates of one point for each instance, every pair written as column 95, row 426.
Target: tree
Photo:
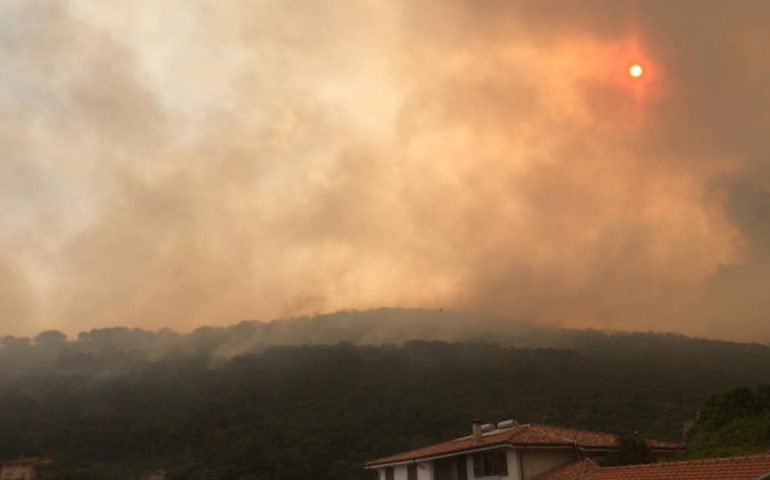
column 732, row 423
column 632, row 450
column 15, row 343
column 50, row 338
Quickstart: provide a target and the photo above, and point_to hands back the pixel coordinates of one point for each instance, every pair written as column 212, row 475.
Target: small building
column 506, row 451
column 22, row 468
column 751, row 467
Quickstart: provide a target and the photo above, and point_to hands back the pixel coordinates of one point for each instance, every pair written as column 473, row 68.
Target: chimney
column 476, row 429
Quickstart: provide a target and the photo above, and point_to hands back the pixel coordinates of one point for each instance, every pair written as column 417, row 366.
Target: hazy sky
column 184, row 162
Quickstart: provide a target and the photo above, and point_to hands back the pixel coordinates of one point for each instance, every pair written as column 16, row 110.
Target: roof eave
column 492, row 446
column 586, row 448
column 427, row 458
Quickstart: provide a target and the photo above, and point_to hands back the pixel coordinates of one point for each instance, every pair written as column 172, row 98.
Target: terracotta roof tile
column 571, row 471
column 728, row 468
column 523, row 435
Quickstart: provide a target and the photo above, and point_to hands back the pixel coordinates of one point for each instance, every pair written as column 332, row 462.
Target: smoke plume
column 173, row 164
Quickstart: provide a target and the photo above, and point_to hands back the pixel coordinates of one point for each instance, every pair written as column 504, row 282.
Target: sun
column 635, row 71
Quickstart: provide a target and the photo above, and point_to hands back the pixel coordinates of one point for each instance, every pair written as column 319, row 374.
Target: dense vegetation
column 731, row 423
column 115, row 403
column 632, row 450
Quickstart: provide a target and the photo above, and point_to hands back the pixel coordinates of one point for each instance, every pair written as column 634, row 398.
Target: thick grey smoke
column 178, row 164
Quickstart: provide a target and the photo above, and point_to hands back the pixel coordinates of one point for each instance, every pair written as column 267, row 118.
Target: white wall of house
column 425, row 471
column 530, row 462
column 535, row 462
column 469, row 465
column 399, row 472
column 514, row 469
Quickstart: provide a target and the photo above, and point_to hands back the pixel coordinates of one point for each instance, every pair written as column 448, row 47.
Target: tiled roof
column 571, row 471
column 751, row 467
column 531, row 434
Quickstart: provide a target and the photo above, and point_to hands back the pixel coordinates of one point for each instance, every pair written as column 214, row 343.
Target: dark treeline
column 113, row 404
column 370, row 327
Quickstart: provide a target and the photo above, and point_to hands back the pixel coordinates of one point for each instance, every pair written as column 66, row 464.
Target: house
column 506, row 451
column 22, row 468
column 752, row 467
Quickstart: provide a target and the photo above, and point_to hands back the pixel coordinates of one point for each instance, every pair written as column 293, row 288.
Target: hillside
column 239, row 403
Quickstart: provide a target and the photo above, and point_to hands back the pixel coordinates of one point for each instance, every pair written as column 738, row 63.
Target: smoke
column 184, row 163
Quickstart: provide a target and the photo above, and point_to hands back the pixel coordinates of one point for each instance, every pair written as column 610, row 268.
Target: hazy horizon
column 188, row 163
column 376, row 326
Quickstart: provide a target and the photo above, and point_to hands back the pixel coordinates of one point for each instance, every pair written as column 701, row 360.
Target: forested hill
column 369, row 327
column 111, row 410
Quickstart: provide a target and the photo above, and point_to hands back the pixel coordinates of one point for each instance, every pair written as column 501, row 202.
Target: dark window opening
column 462, row 468
column 388, row 473
column 411, row 472
column 488, row 464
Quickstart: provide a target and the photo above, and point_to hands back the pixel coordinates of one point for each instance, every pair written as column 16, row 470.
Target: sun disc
column 635, row 71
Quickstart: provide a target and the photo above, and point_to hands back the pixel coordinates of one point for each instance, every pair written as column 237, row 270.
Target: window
column 411, row 472
column 488, row 464
column 388, row 473
column 462, row 469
